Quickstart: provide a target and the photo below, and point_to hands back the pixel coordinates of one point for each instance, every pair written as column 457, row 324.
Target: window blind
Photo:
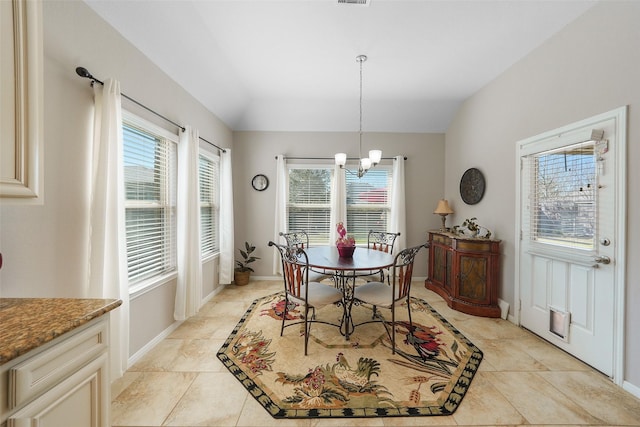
column 368, row 204
column 562, row 196
column 150, row 205
column 209, row 205
column 309, row 202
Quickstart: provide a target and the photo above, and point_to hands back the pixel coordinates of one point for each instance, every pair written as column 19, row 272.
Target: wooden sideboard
column 465, row 271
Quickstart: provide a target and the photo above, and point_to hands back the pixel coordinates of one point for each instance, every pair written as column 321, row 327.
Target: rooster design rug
column 429, row 374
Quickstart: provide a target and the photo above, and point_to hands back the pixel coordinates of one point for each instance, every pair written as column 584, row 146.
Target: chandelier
column 374, row 155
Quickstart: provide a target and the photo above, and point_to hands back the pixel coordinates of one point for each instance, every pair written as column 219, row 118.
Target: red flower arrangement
column 346, row 243
column 344, row 239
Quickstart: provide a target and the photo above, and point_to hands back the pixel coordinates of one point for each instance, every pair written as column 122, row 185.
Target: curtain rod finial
column 83, row 72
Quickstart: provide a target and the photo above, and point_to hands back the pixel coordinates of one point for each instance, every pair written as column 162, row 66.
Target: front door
column 572, row 237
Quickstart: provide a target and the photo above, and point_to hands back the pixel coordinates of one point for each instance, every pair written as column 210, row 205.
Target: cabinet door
column 77, row 401
column 441, row 266
column 21, row 95
column 473, row 273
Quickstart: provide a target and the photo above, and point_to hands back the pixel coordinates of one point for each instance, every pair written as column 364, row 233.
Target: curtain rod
column 83, row 72
column 331, row 158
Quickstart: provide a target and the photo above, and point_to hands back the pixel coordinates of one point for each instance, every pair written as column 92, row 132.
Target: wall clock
column 472, row 186
column 260, row 182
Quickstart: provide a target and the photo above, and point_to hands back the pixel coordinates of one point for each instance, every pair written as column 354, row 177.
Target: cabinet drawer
column 39, row 373
column 444, row 240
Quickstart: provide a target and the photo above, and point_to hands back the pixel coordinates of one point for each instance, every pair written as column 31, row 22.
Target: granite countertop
column 27, row 323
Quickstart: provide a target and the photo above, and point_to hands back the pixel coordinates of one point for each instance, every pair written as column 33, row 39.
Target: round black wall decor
column 472, row 186
column 260, row 182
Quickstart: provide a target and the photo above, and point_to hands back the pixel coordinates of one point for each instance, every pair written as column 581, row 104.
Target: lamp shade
column 341, row 159
column 443, row 208
column 365, row 163
column 375, row 156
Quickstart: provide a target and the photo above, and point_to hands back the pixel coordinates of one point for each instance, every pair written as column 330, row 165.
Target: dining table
column 345, row 271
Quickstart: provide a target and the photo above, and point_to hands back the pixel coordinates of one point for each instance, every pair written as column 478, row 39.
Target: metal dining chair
column 389, row 295
column 299, row 290
column 300, row 239
column 380, row 241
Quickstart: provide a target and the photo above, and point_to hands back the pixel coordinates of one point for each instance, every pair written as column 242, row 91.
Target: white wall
column 590, row 67
column 254, row 152
column 44, row 247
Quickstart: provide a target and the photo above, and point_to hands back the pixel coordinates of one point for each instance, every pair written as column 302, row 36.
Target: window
column 564, row 197
column 368, row 204
column 209, row 174
column 150, row 199
column 309, row 203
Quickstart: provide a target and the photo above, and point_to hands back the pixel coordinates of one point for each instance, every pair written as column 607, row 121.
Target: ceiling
column 291, row 65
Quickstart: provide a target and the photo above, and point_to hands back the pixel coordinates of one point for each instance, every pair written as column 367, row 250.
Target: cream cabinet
column 63, row 383
column 21, row 102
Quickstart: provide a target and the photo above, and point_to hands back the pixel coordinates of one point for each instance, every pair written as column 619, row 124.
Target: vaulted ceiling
column 291, row 65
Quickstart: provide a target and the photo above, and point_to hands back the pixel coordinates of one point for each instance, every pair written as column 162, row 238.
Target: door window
column 563, row 196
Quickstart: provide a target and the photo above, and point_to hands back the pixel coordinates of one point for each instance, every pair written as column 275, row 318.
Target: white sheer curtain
column 338, row 202
column 282, row 190
column 189, row 288
column 398, row 221
column 107, row 244
column 226, row 219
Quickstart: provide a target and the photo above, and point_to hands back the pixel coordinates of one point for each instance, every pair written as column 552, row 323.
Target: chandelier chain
column 374, row 155
column 361, row 59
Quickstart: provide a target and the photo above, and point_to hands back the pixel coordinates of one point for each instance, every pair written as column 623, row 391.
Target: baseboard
column 257, row 278
column 151, row 344
column 212, row 294
column 633, row 389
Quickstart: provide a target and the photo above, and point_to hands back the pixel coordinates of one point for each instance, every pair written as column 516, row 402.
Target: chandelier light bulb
column 341, row 159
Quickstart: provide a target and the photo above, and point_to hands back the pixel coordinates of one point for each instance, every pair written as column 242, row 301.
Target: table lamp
column 443, row 210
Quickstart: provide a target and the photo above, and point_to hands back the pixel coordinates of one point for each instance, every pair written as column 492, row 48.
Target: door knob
column 603, row 259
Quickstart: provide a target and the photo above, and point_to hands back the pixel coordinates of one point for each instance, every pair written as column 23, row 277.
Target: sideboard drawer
column 39, row 373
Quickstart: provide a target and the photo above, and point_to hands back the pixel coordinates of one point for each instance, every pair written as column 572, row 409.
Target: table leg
column 346, row 283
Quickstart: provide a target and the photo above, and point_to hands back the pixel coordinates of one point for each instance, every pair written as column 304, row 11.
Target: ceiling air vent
column 356, row 2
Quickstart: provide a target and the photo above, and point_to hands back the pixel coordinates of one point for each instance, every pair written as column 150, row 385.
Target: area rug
column 429, row 375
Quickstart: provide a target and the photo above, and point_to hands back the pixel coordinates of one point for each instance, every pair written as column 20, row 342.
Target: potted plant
column 345, row 243
column 473, row 227
column 242, row 271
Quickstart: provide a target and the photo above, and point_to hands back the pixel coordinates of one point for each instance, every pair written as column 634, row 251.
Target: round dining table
column 345, row 271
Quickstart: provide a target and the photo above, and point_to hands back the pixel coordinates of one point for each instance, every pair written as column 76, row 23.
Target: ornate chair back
column 295, row 269
column 299, row 239
column 402, row 272
column 381, row 241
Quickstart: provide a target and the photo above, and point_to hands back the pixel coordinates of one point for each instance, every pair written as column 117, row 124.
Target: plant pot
column 346, row 251
column 241, row 278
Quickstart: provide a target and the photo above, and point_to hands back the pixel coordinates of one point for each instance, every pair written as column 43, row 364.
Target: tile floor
column 522, row 380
